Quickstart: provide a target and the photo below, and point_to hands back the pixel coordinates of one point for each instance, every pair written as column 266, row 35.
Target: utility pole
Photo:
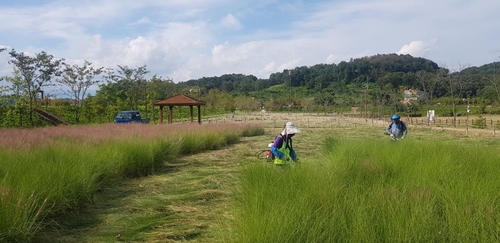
column 467, row 121
column 290, row 78
column 366, row 103
column 146, row 96
column 495, row 76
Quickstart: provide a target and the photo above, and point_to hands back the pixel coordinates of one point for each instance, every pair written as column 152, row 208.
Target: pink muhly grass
column 95, row 134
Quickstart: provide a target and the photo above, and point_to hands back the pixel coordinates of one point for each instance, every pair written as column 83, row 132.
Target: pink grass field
column 95, row 134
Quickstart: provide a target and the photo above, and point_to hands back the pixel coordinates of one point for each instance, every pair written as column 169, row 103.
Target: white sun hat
column 290, row 128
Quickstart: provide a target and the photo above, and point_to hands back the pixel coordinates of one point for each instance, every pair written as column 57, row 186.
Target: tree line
column 372, row 81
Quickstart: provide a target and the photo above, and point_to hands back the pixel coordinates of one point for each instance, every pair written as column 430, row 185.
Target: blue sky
column 190, row 39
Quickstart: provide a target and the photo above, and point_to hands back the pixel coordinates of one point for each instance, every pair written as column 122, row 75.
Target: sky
column 190, row 39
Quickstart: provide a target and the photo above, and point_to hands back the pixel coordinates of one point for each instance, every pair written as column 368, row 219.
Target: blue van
column 129, row 117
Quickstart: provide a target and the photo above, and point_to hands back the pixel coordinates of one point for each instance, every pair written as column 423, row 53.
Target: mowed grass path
column 191, row 198
column 184, row 200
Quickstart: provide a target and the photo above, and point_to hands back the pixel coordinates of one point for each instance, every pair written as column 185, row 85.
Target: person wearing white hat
column 282, row 147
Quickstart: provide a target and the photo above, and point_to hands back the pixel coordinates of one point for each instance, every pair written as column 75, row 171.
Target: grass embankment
column 372, row 190
column 49, row 172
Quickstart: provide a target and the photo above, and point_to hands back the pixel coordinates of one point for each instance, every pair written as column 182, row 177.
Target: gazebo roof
column 180, row 100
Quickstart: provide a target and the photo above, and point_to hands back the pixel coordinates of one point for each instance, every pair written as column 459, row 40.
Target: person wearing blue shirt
column 396, row 129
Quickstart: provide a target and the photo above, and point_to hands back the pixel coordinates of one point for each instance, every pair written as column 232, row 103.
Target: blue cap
column 395, row 117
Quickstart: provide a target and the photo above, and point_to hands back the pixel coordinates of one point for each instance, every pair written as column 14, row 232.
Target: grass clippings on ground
column 183, row 201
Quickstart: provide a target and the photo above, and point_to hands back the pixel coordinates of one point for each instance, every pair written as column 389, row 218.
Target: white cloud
column 417, row 48
column 226, row 54
column 139, row 50
column 289, row 65
column 5, row 68
column 230, row 22
column 165, row 51
column 261, row 58
column 269, row 68
column 143, row 20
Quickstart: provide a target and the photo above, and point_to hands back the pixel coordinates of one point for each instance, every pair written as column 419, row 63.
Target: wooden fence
column 330, row 120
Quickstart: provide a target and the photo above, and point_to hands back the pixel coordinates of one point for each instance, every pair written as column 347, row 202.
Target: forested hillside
column 389, row 72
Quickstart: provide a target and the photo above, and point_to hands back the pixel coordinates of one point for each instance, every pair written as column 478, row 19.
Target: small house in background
column 414, row 95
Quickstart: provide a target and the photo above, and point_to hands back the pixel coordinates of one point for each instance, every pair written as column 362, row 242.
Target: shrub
column 479, row 123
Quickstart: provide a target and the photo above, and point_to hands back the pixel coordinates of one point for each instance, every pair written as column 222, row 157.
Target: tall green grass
column 47, row 181
column 374, row 191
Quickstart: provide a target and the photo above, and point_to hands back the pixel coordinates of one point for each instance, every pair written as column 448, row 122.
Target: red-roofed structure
column 179, row 100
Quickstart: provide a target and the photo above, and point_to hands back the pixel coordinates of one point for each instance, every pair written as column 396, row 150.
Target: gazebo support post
column 170, row 108
column 161, row 114
column 191, row 113
column 199, row 114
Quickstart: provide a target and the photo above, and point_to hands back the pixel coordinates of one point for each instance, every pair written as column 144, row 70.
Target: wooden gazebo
column 179, row 100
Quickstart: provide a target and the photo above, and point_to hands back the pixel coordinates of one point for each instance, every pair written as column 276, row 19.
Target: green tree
column 245, row 103
column 427, row 81
column 17, row 98
column 219, row 100
column 132, row 83
column 159, row 88
column 106, row 99
column 325, row 98
column 15, row 115
column 454, row 85
column 77, row 80
column 36, row 73
column 494, row 85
